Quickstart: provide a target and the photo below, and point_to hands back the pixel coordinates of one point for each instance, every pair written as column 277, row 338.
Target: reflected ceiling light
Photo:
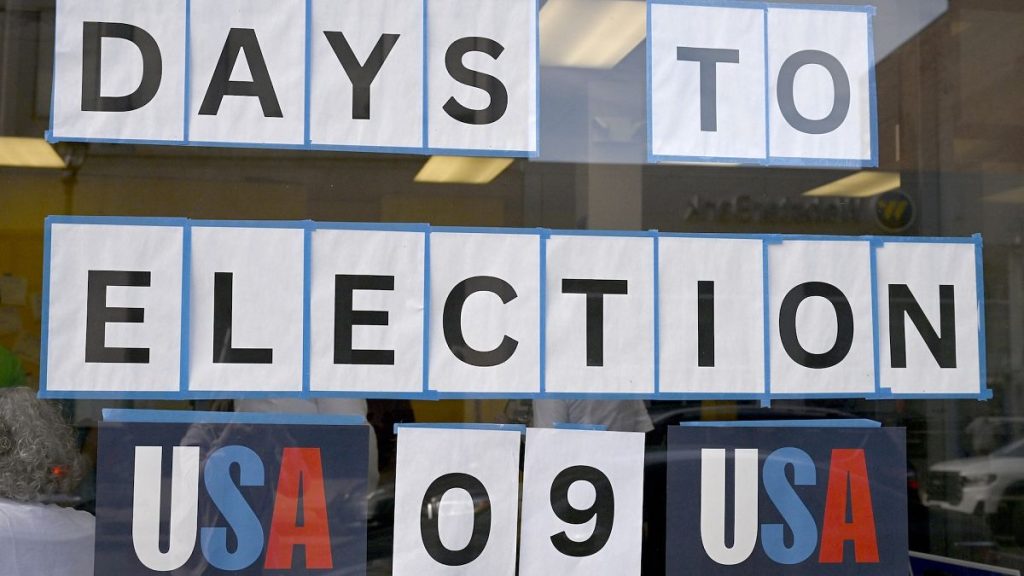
column 859, row 185
column 462, row 169
column 590, row 33
column 28, row 153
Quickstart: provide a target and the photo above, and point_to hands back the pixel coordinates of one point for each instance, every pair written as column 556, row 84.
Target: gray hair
column 39, row 455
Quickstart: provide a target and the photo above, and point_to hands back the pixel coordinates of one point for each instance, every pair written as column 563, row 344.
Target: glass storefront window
column 950, row 83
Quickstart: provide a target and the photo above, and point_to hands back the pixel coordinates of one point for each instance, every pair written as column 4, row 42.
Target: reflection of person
column 617, row 415
column 39, row 461
column 316, row 406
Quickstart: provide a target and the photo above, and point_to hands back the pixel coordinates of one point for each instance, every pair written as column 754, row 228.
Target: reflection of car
column 991, row 486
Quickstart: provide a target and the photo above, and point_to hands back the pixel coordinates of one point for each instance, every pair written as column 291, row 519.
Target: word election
column 365, row 75
column 754, row 83
column 832, row 503
column 189, row 309
column 242, row 499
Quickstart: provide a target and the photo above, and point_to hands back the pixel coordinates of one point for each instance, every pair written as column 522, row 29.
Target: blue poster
column 238, row 494
column 771, row 499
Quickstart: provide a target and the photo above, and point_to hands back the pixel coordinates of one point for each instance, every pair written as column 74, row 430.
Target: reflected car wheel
column 1008, row 521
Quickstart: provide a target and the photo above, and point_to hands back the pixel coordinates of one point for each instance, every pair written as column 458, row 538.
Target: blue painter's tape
column 518, row 428
column 657, row 313
column 186, row 306
column 544, row 235
column 832, row 423
column 872, row 88
column 307, row 290
column 362, row 394
column 875, row 316
column 483, row 230
column 193, row 417
column 715, row 3
column 866, row 9
column 371, row 226
column 307, row 79
column 425, row 125
column 477, row 152
column 426, row 308
column 44, row 352
column 578, row 426
column 273, row 224
column 767, row 94
column 48, row 135
column 535, row 153
column 186, row 119
column 116, row 221
column 649, row 83
column 979, row 262
column 766, row 328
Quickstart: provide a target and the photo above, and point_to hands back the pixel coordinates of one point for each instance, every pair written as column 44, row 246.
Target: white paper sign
column 768, row 84
column 820, row 85
column 711, row 321
column 456, row 502
column 582, row 503
column 119, row 70
column 496, row 38
column 402, row 76
column 821, row 320
column 366, row 317
column 600, row 315
column 708, row 96
column 939, row 322
column 114, row 308
column 485, row 313
column 380, row 43
column 247, row 313
column 248, row 81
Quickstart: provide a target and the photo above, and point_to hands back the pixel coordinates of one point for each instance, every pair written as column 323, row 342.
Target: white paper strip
column 456, row 502
column 582, row 503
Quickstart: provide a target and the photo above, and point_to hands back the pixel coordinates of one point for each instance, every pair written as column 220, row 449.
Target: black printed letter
column 221, row 85
column 485, row 82
column 93, row 34
column 361, row 75
column 345, row 317
column 223, row 352
column 98, row 315
column 452, row 320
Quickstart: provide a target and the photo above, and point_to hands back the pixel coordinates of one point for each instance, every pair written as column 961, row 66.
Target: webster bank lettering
column 814, row 501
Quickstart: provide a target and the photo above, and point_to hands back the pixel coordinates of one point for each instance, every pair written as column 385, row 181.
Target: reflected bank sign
column 175, row 308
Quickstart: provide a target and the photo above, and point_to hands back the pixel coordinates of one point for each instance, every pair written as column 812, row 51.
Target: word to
column 753, row 83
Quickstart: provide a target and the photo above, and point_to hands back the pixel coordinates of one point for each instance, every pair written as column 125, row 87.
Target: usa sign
column 767, row 500
column 208, row 493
